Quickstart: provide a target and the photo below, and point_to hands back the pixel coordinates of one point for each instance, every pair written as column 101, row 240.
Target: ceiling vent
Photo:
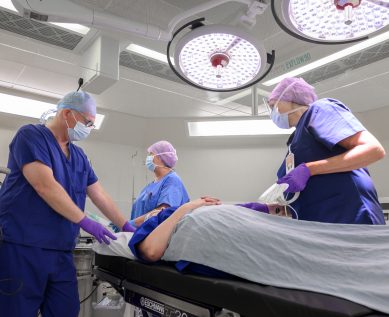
column 351, row 62
column 148, row 66
column 38, row 31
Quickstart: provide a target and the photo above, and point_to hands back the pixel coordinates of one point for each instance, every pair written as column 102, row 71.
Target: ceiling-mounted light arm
column 287, row 30
column 67, row 11
column 254, row 100
column 201, row 8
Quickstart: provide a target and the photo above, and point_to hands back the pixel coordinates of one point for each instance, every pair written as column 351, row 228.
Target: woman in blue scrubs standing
column 167, row 189
column 327, row 156
column 41, row 211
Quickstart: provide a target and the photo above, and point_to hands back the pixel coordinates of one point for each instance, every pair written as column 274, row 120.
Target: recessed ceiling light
column 141, row 50
column 239, row 127
column 78, row 28
column 32, row 108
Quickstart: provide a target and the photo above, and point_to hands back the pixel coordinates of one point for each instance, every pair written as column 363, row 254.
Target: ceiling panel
column 139, row 99
column 10, row 71
column 46, row 81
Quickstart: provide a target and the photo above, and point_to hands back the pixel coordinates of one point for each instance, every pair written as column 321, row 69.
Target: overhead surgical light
column 219, row 57
column 331, row 21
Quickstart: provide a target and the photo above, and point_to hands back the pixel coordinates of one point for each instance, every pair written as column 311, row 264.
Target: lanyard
column 289, row 160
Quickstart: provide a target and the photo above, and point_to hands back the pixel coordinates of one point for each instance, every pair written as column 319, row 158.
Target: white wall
column 380, row 172
column 116, row 170
column 231, row 173
column 376, row 122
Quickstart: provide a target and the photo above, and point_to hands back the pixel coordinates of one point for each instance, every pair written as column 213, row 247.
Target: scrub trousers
column 34, row 279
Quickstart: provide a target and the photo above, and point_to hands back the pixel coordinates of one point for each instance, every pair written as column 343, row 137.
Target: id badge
column 289, row 162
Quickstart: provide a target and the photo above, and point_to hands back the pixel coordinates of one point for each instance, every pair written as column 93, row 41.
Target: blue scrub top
column 148, row 226
column 25, row 218
column 168, row 190
column 347, row 197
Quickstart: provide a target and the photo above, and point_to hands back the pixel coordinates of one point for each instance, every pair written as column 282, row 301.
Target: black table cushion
column 244, row 297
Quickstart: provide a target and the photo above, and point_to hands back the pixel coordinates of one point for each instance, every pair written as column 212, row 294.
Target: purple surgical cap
column 79, row 101
column 167, row 152
column 295, row 90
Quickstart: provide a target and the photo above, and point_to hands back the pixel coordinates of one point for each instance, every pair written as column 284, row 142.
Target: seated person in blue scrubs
column 42, row 205
column 167, row 189
column 330, row 150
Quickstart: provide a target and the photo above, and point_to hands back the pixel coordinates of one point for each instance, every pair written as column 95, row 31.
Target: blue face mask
column 79, row 132
column 281, row 120
column 149, row 163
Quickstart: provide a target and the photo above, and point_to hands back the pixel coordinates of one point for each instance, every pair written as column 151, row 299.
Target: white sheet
column 117, row 247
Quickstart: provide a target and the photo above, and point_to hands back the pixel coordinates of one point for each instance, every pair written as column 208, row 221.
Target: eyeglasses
column 266, row 103
column 88, row 123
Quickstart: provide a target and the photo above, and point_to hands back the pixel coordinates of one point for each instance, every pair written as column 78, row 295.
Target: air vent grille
column 351, row 62
column 148, row 66
column 38, row 31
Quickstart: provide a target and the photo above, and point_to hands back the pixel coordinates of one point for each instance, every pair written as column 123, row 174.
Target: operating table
column 162, row 290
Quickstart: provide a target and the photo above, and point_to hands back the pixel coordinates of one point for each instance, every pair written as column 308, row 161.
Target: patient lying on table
column 348, row 261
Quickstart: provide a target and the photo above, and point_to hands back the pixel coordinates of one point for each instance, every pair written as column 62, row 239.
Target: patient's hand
column 203, row 201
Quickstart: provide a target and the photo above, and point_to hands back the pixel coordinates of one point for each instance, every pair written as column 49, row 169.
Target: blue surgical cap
column 79, row 101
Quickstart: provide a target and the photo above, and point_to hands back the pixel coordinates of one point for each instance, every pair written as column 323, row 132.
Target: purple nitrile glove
column 96, row 229
column 296, row 179
column 128, row 228
column 256, row 206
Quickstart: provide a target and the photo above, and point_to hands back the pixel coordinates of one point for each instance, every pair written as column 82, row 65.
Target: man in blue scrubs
column 41, row 212
column 327, row 156
column 167, row 189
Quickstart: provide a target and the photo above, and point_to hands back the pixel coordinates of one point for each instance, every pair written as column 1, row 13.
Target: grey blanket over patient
column 348, row 261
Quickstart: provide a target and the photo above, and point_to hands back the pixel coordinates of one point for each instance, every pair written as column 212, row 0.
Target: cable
column 80, row 83
column 294, row 210
column 290, row 206
column 89, row 294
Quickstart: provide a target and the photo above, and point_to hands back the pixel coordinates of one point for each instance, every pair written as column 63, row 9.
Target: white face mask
column 79, row 132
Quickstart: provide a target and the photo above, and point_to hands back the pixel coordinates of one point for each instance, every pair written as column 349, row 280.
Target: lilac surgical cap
column 165, row 151
column 79, row 101
column 295, row 90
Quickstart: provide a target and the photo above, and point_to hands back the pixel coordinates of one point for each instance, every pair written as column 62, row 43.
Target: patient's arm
column 141, row 219
column 154, row 246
